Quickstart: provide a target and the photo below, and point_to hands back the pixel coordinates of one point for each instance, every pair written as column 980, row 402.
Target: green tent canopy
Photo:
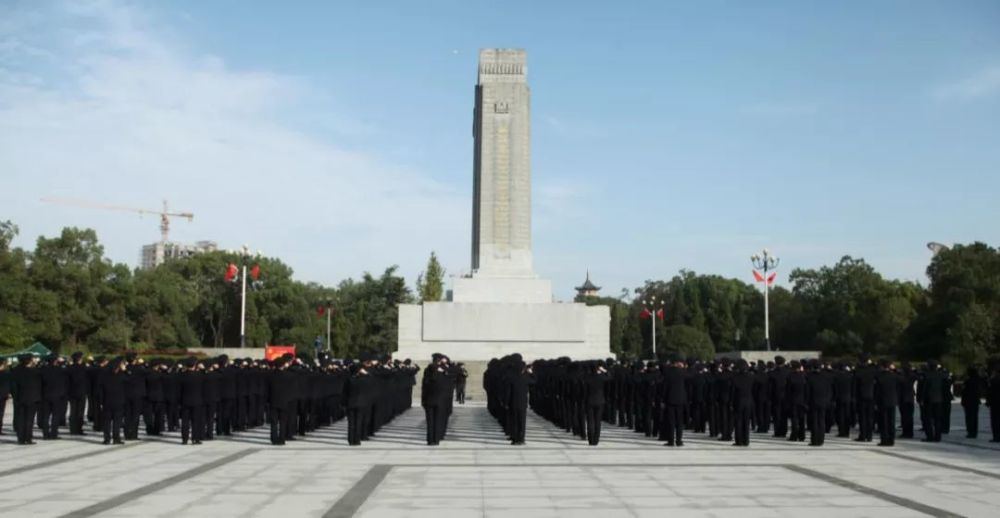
column 37, row 349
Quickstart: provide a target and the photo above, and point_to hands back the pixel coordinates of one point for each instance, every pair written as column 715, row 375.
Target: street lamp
column 649, row 307
column 246, row 256
column 767, row 263
column 329, row 310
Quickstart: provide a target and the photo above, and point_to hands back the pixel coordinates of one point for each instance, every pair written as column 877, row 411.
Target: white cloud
column 983, row 83
column 125, row 115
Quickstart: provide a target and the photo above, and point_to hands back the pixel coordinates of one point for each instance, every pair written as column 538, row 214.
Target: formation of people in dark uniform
column 728, row 400
column 202, row 398
column 210, row 397
column 508, row 382
column 437, row 390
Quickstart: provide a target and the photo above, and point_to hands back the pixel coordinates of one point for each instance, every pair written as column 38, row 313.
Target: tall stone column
column 501, row 213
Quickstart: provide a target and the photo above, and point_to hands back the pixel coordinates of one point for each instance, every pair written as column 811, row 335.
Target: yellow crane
column 164, row 214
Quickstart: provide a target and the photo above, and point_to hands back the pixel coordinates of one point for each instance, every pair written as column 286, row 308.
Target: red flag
column 645, row 314
column 660, row 314
column 770, row 278
column 255, row 272
column 231, row 271
column 757, row 276
column 320, row 311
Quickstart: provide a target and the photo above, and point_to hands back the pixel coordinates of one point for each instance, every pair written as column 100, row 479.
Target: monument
column 502, row 307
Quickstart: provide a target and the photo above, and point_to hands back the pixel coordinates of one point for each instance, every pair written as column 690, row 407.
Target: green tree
column 686, row 341
column 15, row 330
column 851, row 306
column 957, row 319
column 430, row 282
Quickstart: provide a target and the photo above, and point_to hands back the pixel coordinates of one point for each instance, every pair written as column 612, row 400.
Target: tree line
column 66, row 294
column 842, row 310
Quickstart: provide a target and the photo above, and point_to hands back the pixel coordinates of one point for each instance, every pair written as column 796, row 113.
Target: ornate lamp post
column 246, row 256
column 767, row 263
column 329, row 311
column 652, row 309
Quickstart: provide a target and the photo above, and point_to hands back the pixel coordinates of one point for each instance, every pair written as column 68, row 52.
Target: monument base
column 483, row 331
column 483, row 289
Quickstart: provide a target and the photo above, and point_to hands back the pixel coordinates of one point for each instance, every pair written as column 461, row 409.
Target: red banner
column 273, row 352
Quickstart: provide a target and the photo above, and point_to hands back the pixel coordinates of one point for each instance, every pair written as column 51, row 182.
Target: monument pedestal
column 483, row 331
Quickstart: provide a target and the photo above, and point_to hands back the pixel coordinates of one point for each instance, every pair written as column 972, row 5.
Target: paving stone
column 476, row 473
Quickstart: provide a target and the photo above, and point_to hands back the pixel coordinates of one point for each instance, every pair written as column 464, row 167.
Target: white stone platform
column 482, row 331
column 475, row 473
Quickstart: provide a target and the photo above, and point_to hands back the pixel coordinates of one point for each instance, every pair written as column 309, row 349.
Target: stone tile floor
column 475, row 472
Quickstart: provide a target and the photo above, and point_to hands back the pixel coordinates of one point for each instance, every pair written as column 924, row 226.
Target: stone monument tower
column 501, row 203
column 502, row 307
column 502, row 266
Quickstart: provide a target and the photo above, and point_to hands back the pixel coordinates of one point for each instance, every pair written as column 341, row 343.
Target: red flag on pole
column 255, row 272
column 757, row 276
column 320, row 311
column 231, row 271
column 660, row 313
column 645, row 314
column 770, row 278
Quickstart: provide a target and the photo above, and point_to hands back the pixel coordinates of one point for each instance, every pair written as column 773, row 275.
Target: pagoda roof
column 588, row 286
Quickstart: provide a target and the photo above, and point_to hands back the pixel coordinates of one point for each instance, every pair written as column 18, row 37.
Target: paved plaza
column 475, row 472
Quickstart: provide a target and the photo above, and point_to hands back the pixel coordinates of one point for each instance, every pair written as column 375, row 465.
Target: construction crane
column 164, row 214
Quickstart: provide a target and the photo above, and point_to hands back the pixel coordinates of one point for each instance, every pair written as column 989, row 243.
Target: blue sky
column 666, row 135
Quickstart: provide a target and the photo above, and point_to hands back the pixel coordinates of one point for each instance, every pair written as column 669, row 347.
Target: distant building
column 588, row 289
column 158, row 253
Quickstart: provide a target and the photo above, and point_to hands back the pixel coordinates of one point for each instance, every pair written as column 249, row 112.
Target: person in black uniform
column 723, row 390
column 864, row 396
column 993, row 401
column 761, row 398
column 461, row 375
column 26, row 385
column 54, row 395
column 907, row 399
column 155, row 408
column 778, row 388
column 78, row 390
column 112, row 391
column 674, row 397
column 432, row 391
column 973, row 390
column 518, row 383
column 843, row 397
column 886, row 398
column 697, row 396
column 359, row 389
column 225, row 413
column 594, row 385
column 946, row 403
column 95, row 371
column 741, row 399
column 192, row 397
column 932, row 391
column 4, row 389
column 795, row 390
column 212, row 381
column 135, row 395
column 819, row 390
column 279, row 393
